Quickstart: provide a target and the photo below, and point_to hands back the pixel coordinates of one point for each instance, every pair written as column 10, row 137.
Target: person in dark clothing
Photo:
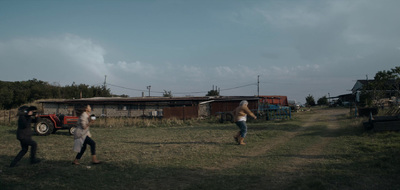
column 24, row 135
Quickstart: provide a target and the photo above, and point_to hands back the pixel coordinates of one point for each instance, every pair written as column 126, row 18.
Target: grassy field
column 320, row 149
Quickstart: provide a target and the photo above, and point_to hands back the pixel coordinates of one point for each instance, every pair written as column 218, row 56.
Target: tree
column 396, row 77
column 385, row 84
column 310, row 100
column 14, row 94
column 322, row 101
column 167, row 93
column 381, row 84
column 6, row 97
column 213, row 92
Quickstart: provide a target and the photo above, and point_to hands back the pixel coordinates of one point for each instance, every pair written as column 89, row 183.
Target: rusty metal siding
column 275, row 100
column 181, row 112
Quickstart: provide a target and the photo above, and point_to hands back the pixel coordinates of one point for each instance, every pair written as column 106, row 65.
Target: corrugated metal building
column 174, row 107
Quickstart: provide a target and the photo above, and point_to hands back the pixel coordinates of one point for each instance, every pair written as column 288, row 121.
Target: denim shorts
column 243, row 128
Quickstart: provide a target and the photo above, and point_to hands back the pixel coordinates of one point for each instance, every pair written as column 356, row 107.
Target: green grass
column 202, row 155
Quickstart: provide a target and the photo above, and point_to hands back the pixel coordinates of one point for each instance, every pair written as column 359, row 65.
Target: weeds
column 324, row 151
column 118, row 122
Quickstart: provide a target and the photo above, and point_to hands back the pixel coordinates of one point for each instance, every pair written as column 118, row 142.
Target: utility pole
column 149, row 87
column 329, row 98
column 105, row 82
column 258, row 95
column 258, row 85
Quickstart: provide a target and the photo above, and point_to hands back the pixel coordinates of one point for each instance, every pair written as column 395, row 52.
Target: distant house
column 391, row 87
column 346, row 97
column 358, row 86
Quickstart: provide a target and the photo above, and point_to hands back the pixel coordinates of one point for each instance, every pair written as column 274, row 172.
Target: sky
column 293, row 48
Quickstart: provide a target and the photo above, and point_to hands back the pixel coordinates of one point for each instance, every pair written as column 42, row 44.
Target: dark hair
column 80, row 108
column 32, row 108
column 22, row 110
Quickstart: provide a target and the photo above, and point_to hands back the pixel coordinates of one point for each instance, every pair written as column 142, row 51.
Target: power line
column 196, row 92
column 251, row 84
column 226, row 89
column 140, row 90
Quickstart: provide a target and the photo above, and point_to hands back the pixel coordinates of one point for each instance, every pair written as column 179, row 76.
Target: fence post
column 183, row 113
column 9, row 117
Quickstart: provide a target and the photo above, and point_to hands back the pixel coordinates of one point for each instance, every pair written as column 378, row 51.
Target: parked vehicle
column 47, row 124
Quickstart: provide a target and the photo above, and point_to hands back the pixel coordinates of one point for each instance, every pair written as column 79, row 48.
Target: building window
column 123, row 107
column 135, row 107
column 138, row 107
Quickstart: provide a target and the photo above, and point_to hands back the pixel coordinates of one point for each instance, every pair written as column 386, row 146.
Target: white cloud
column 291, row 15
column 71, row 58
column 137, row 68
column 192, row 73
column 64, row 59
column 224, row 71
column 249, row 73
column 331, row 31
column 84, row 52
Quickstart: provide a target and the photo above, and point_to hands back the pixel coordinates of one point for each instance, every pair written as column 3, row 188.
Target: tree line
column 385, row 84
column 15, row 94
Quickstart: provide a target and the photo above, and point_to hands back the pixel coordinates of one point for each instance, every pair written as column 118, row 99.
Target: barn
column 166, row 107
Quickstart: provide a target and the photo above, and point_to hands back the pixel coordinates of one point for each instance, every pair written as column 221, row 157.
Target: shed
column 274, row 100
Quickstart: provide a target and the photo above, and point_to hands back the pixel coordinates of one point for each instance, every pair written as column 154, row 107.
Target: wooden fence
column 7, row 117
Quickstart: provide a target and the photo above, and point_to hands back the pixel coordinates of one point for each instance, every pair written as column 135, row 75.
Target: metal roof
column 121, row 100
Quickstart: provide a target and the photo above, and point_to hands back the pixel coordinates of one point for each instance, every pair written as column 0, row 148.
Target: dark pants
column 25, row 146
column 88, row 141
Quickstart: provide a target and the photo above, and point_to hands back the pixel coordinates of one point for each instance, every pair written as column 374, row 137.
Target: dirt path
column 330, row 115
column 294, row 167
column 316, row 149
column 297, row 163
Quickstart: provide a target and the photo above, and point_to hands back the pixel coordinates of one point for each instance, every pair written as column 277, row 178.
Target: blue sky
column 297, row 47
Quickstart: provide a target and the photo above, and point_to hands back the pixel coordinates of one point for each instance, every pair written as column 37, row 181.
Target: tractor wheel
column 229, row 117
column 44, row 127
column 223, row 118
column 72, row 130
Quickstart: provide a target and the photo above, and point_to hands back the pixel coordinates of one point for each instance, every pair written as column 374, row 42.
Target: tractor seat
column 59, row 120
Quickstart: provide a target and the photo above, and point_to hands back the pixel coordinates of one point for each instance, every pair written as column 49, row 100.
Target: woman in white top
column 240, row 117
column 82, row 136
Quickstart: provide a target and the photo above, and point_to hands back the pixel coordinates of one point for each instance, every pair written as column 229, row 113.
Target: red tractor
column 47, row 124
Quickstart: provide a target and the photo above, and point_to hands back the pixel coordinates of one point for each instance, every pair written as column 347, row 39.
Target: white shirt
column 243, row 118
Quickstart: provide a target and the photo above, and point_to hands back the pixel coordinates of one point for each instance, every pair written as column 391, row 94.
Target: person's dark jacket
column 24, row 131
